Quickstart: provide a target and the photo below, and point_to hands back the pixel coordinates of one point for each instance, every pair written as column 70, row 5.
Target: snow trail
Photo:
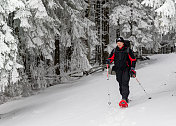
column 85, row 102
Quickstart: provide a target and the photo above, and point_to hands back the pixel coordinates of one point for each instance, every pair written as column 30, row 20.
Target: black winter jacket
column 122, row 58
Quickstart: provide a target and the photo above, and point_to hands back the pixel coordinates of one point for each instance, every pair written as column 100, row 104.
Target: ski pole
column 142, row 88
column 107, row 72
column 109, row 97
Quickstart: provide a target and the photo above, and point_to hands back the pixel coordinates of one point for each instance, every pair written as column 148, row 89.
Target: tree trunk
column 57, row 56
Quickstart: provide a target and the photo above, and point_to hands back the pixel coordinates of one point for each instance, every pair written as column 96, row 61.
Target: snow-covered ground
column 85, row 102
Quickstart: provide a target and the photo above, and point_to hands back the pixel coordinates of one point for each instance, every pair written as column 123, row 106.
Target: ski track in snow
column 85, row 101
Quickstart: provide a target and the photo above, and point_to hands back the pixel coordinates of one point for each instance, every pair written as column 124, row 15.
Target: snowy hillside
column 85, row 102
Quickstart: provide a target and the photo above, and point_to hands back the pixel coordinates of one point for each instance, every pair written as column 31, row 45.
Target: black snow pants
column 123, row 77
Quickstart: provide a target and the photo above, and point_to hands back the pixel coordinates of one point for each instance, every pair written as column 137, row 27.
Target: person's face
column 120, row 44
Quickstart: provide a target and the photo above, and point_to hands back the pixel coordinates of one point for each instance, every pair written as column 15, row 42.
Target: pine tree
column 134, row 23
column 9, row 50
column 48, row 38
column 77, row 36
column 36, row 34
column 165, row 9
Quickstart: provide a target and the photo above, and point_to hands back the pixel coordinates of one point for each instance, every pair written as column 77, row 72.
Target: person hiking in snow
column 124, row 66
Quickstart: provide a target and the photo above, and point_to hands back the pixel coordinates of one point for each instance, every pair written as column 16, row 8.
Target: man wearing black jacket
column 124, row 66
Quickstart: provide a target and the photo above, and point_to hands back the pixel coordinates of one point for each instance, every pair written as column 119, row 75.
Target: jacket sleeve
column 132, row 58
column 111, row 56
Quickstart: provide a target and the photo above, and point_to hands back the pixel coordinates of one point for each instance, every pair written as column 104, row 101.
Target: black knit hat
column 119, row 39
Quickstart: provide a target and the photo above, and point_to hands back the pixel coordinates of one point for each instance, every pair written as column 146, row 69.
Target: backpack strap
column 128, row 49
column 114, row 50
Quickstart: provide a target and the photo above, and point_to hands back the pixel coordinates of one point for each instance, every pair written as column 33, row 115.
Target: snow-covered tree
column 77, row 36
column 33, row 31
column 36, row 32
column 134, row 24
column 165, row 10
column 8, row 43
column 162, row 7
